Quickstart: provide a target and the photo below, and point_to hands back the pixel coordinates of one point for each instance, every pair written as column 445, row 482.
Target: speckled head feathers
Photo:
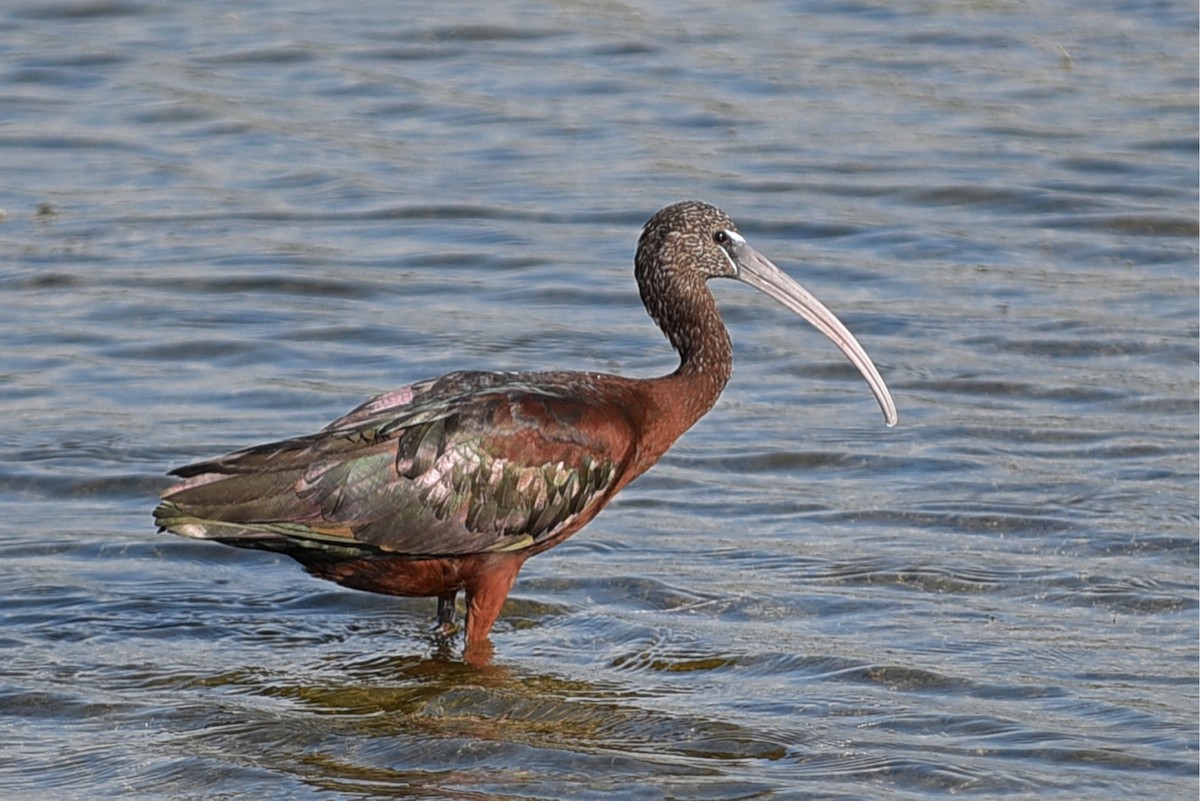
column 683, row 232
column 679, row 246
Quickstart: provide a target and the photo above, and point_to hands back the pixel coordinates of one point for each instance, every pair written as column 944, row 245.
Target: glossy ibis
column 452, row 483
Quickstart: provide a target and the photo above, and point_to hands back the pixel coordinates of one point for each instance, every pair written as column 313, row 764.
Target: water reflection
column 260, row 218
column 423, row 722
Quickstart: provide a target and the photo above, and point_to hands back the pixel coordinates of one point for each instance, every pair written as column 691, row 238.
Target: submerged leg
column 486, row 596
column 447, row 617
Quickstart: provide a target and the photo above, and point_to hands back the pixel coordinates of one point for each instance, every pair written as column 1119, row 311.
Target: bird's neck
column 698, row 334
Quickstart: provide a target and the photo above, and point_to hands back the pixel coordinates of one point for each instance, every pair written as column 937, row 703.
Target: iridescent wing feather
column 467, row 463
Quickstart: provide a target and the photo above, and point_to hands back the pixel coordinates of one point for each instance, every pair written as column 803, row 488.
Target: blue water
column 224, row 224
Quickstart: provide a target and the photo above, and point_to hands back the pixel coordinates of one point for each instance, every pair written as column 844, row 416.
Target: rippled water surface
column 228, row 222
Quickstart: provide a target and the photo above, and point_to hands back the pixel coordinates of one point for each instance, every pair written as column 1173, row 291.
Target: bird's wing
column 468, row 463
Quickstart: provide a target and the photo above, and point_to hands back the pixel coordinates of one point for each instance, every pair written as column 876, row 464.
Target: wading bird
column 452, row 483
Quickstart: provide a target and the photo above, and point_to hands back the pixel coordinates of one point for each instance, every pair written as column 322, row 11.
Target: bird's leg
column 486, row 596
column 447, row 622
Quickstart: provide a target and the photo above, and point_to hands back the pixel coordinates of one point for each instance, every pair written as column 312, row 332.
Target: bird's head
column 687, row 243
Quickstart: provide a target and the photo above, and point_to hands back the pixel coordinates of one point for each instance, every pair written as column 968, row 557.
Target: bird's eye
column 720, row 237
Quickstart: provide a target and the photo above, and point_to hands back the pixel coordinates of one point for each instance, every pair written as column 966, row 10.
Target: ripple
column 225, row 227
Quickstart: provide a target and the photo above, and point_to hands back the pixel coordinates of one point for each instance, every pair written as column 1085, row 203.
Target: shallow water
column 225, row 225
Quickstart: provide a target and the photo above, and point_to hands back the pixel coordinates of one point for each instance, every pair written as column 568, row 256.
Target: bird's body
column 453, row 483
column 444, row 485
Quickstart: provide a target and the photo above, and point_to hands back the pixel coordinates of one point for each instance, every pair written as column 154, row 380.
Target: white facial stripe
column 733, row 265
column 737, row 241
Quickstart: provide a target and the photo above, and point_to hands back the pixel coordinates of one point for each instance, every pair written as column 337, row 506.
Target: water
column 226, row 224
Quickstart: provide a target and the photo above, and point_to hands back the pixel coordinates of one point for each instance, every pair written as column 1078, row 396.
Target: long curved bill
column 757, row 270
